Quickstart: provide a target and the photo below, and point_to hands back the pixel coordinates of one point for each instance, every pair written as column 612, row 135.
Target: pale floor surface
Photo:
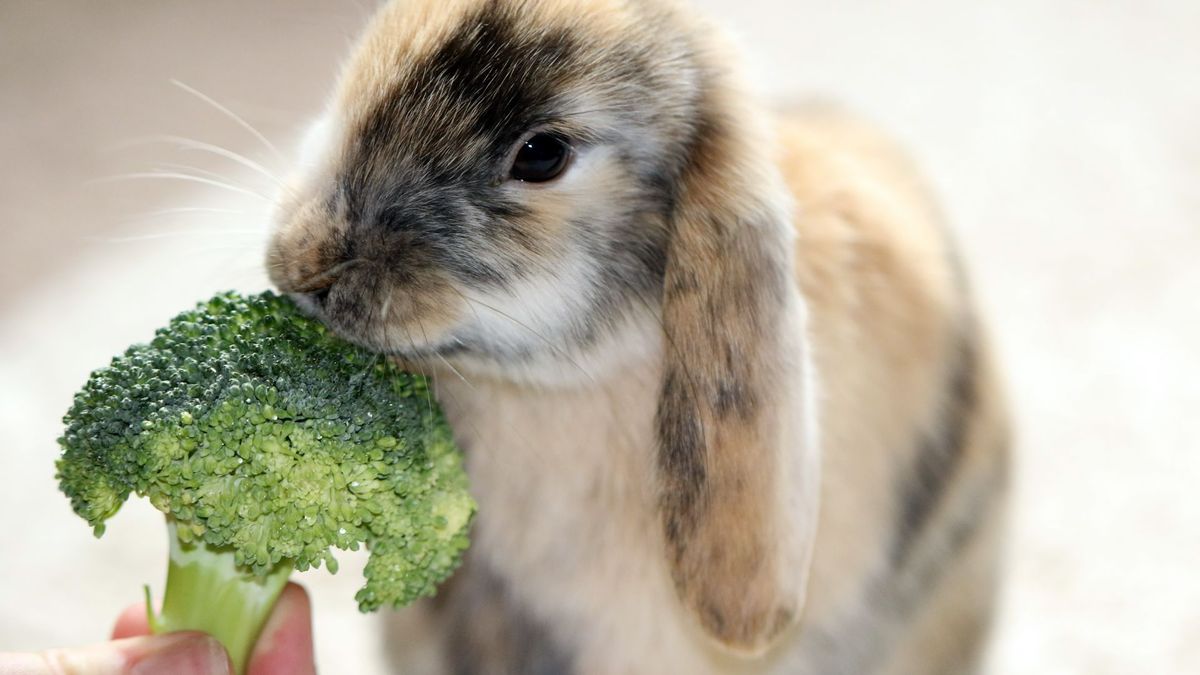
column 1063, row 135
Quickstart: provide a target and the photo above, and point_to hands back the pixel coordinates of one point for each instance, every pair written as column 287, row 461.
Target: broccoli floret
column 268, row 442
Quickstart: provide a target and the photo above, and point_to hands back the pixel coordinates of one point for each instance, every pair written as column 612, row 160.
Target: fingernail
column 179, row 654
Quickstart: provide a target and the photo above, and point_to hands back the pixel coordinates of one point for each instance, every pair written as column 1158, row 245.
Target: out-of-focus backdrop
column 1064, row 136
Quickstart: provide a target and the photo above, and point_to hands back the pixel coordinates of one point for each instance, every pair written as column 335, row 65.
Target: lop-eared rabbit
column 725, row 404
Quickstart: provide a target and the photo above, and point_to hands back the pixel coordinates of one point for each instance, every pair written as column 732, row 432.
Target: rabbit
column 725, row 402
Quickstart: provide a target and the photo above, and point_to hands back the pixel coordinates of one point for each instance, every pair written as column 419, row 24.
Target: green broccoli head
column 258, row 432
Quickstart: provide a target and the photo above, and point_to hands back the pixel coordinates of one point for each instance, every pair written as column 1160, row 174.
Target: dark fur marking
column 415, row 165
column 939, row 454
column 960, row 531
column 503, row 73
column 729, row 397
column 489, row 632
column 681, row 460
column 733, row 397
column 861, row 641
column 492, row 74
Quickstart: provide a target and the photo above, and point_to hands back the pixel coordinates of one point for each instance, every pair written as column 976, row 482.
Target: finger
column 186, row 653
column 132, row 622
column 286, row 644
column 171, row 654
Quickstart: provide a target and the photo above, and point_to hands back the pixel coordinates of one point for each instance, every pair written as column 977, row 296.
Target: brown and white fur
column 724, row 401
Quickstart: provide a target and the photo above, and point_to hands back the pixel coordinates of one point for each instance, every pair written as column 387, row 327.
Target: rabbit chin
column 542, row 332
column 635, row 341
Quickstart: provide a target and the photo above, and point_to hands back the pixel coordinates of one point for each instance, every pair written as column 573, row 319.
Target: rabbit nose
column 318, row 288
column 320, row 296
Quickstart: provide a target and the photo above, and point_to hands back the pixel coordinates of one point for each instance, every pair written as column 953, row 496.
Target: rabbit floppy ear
column 738, row 466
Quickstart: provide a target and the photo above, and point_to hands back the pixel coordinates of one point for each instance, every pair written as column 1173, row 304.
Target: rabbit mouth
column 386, row 321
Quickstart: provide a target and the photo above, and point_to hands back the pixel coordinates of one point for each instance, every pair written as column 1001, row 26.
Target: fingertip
column 294, row 598
column 132, row 622
column 286, row 644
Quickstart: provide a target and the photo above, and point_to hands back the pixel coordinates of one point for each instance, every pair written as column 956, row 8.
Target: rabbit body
column 725, row 403
column 566, row 572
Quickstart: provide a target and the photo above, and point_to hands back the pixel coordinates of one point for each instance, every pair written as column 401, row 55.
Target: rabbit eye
column 541, row 158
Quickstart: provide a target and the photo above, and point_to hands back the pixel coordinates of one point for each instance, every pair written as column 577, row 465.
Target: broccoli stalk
column 267, row 443
column 207, row 591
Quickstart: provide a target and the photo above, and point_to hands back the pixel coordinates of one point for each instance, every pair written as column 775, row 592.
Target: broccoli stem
column 207, row 591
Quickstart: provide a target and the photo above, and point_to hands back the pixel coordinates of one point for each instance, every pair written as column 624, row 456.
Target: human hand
column 284, row 648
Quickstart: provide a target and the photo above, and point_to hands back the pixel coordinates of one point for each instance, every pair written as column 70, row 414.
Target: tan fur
column 717, row 486
column 424, row 26
column 875, row 272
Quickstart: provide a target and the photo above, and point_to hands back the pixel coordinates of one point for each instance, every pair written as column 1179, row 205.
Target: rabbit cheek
column 372, row 309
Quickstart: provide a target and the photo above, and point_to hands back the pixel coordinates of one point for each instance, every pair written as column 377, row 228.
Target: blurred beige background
column 1063, row 134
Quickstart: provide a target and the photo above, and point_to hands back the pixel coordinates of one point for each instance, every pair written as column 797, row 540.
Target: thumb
column 170, row 654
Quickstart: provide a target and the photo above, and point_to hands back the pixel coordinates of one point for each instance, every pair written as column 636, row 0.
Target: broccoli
column 267, row 442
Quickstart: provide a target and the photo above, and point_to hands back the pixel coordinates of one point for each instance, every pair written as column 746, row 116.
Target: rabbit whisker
column 179, row 210
column 559, row 350
column 191, row 144
column 196, row 171
column 167, row 235
column 454, row 370
column 307, row 285
column 428, row 396
column 181, row 177
column 231, row 115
